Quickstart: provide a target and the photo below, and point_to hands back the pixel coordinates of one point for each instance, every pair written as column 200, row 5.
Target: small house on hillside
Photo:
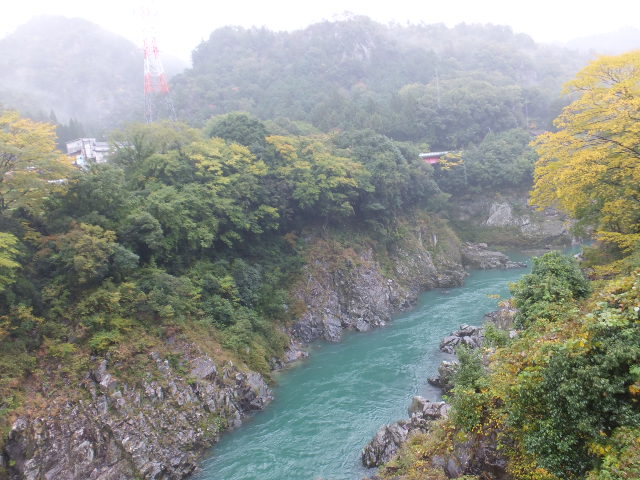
column 432, row 157
column 88, row 150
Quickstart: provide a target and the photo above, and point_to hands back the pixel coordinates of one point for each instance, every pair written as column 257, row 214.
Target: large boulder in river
column 444, row 379
column 385, row 444
column 469, row 335
column 477, row 255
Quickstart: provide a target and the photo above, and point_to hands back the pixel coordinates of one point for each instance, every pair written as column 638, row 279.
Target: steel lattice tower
column 156, row 88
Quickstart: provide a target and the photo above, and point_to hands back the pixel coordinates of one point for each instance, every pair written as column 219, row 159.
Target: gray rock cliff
column 390, row 438
column 342, row 289
column 154, row 430
column 520, row 222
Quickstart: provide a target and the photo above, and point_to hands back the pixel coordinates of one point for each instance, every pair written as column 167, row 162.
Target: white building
column 88, row 150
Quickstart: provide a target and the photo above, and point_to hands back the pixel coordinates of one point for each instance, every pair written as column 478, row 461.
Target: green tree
column 321, row 184
column 553, row 283
column 396, row 181
column 30, row 166
column 238, row 127
column 589, row 167
column 501, row 161
column 138, row 141
column 84, row 256
column 8, row 263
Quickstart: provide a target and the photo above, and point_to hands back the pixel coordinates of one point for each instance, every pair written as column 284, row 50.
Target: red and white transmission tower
column 156, row 88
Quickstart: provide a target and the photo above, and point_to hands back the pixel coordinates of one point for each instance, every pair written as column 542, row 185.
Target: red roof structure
column 432, row 157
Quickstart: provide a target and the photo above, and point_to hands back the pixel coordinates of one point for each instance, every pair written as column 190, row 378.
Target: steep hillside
column 73, row 68
column 417, row 83
column 558, row 397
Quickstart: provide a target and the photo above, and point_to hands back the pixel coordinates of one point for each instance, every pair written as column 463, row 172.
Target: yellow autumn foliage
column 31, row 167
column 590, row 167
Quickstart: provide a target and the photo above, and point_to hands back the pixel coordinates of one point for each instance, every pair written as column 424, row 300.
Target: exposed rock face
column 353, row 296
column 390, row 438
column 528, row 226
column 385, row 444
column 477, row 255
column 444, row 379
column 154, row 430
column 502, row 318
column 347, row 290
column 477, row 456
column 469, row 335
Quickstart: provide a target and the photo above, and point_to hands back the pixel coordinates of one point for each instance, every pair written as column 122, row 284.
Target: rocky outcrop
column 344, row 289
column 390, row 438
column 154, row 430
column 479, row 455
column 444, row 379
column 519, row 222
column 503, row 318
column 352, row 294
column 468, row 335
column 477, row 255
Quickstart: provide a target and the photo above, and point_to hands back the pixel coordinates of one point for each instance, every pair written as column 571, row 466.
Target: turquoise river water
column 330, row 406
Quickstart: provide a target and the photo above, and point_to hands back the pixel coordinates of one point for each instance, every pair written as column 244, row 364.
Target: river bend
column 329, row 407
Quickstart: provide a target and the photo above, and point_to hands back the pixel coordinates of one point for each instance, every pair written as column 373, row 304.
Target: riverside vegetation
column 123, row 282
column 155, row 293
column 560, row 401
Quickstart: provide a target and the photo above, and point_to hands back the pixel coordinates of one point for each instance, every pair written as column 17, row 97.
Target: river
column 330, row 406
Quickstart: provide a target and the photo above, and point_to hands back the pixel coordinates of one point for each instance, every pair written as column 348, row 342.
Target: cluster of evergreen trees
column 420, row 83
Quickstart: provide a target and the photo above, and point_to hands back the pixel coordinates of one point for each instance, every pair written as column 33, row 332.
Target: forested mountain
column 424, row 83
column 73, row 68
column 448, row 87
column 144, row 302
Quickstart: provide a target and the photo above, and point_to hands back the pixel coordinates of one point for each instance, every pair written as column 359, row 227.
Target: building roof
column 433, row 154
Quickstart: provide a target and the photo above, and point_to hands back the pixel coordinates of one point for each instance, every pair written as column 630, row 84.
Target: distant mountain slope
column 359, row 73
column 73, row 67
column 611, row 43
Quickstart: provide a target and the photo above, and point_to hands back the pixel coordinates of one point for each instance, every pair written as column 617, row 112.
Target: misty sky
column 182, row 24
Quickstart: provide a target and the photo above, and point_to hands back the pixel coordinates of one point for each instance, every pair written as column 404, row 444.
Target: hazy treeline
column 448, row 87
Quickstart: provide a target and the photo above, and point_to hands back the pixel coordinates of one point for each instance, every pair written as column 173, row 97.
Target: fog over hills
column 77, row 70
column 73, row 68
column 610, row 43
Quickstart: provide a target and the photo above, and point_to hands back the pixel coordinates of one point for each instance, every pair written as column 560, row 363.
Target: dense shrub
column 554, row 281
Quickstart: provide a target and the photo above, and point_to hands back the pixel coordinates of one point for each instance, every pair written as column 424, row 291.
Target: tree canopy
column 30, row 165
column 590, row 167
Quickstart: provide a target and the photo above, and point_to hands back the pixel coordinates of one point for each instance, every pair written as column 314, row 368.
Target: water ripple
column 329, row 407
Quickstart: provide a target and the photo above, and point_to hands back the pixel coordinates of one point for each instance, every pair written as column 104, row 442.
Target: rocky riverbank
column 158, row 426
column 344, row 289
column 156, row 429
column 478, row 453
column 385, row 445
